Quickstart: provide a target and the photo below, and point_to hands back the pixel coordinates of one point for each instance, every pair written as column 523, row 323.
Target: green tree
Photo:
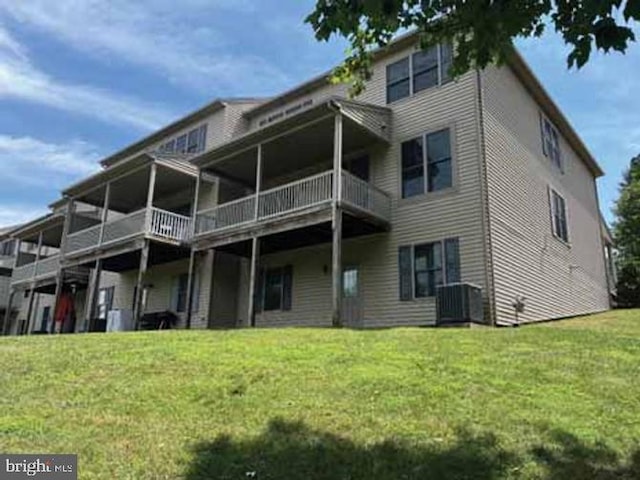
column 627, row 236
column 482, row 30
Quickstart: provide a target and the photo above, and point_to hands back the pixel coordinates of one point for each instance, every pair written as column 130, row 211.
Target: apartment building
column 311, row 208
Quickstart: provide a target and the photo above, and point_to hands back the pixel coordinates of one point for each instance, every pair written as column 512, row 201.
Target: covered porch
column 144, row 218
column 37, row 269
column 304, row 180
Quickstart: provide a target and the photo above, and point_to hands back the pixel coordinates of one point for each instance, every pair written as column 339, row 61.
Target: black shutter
column 406, row 271
column 452, row 259
column 287, row 281
column 258, row 298
column 543, row 137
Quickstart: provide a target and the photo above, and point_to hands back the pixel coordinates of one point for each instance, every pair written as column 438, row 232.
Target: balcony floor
column 308, row 235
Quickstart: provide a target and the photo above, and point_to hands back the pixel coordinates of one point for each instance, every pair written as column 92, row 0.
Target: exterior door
column 351, row 302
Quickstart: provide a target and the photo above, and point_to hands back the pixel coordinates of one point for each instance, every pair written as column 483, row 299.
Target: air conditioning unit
column 459, row 303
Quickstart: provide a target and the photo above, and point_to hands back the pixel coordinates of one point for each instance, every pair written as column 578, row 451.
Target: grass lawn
column 555, row 401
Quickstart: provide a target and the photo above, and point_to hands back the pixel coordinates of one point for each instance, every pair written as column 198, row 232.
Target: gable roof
column 215, row 105
column 515, row 61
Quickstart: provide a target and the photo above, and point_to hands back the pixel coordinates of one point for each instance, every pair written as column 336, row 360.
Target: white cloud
column 176, row 40
column 15, row 214
column 20, row 79
column 31, row 162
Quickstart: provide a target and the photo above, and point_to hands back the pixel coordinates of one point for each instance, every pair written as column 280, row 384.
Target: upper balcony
column 153, row 223
column 284, row 177
column 294, row 200
column 37, row 258
column 7, row 256
column 148, row 197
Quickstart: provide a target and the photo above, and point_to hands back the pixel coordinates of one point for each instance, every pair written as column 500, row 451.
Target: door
column 351, row 302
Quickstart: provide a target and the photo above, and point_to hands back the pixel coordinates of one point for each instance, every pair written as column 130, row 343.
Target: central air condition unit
column 459, row 303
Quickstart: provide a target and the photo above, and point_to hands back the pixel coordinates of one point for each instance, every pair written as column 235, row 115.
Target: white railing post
column 150, row 193
column 337, row 159
column 105, row 211
column 258, row 181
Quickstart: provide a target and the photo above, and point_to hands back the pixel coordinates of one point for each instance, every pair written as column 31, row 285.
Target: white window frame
column 425, row 163
column 547, row 137
column 411, row 89
column 413, row 267
column 171, row 145
column 552, row 208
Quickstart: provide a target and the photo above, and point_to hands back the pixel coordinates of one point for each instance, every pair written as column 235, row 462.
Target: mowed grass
column 558, row 401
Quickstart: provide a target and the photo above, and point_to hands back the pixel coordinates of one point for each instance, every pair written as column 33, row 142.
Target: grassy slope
column 558, row 400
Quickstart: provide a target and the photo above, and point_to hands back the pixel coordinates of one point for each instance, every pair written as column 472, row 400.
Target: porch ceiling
column 298, row 141
column 129, row 192
column 50, row 226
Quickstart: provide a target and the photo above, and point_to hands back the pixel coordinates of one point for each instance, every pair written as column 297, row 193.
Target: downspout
column 484, row 196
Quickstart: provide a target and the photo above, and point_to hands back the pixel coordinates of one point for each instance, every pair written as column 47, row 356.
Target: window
column 193, row 141
column 181, row 144
column 551, row 142
column 7, row 248
column 105, row 302
column 398, row 80
column 274, row 292
column 426, row 266
column 422, row 70
column 559, row 216
column 350, row 282
column 426, row 169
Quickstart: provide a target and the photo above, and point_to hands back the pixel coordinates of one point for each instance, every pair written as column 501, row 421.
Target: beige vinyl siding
column 317, row 96
column 159, row 296
column 432, row 217
column 5, row 281
column 557, row 279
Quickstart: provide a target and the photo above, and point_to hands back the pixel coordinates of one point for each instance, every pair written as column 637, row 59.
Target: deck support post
column 142, row 270
column 66, row 227
column 6, row 327
column 255, row 259
column 30, row 308
column 192, row 255
column 92, row 296
column 336, row 226
column 191, row 282
column 56, row 298
column 33, row 283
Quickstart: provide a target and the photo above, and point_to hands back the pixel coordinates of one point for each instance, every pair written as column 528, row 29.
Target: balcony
column 38, row 270
column 293, row 200
column 153, row 223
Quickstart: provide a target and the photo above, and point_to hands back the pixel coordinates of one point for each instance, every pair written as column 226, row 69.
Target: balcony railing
column 35, row 270
column 296, row 196
column 153, row 221
column 24, row 272
column 170, row 225
column 47, row 266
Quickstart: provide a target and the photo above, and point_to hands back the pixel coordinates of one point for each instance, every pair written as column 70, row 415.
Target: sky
column 81, row 79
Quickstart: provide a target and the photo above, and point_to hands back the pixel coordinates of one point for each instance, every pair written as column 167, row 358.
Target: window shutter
column 405, row 269
column 452, row 259
column 287, row 282
column 258, row 298
column 552, row 213
column 542, row 136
